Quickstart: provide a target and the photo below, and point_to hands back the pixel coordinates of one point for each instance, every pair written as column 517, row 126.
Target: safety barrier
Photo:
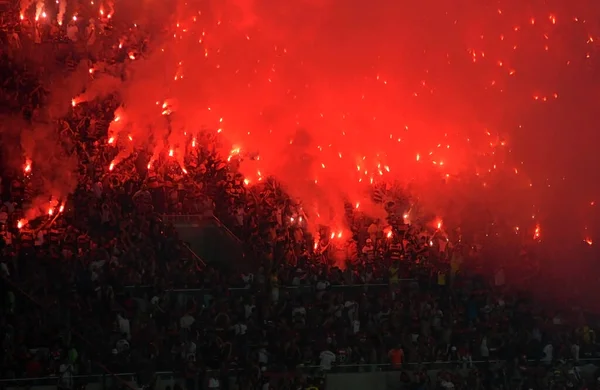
column 168, row 378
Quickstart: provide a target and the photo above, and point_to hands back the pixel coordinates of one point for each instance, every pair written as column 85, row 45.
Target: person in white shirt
column 240, row 329
column 186, row 321
column 4, row 268
column 299, row 310
column 248, row 310
column 548, row 354
column 124, row 327
column 122, row 345
column 214, row 383
column 73, row 32
column 327, row 358
column 263, row 357
column 7, row 236
column 3, row 215
column 90, row 33
column 483, row 348
column 66, row 376
column 15, row 40
column 188, row 351
column 39, row 239
column 575, row 352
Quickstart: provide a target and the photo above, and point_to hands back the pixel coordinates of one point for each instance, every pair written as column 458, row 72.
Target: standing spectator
column 396, row 356
column 327, row 358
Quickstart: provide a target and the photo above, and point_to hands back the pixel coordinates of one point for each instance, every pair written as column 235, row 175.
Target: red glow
column 425, row 95
column 21, row 223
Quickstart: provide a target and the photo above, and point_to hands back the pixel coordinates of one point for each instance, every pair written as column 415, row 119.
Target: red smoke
column 460, row 101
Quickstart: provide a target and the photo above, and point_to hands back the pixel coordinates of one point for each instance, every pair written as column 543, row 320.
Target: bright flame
column 537, row 232
column 588, row 241
column 21, row 223
column 27, row 167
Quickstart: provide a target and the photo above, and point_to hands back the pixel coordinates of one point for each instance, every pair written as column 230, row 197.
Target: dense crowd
column 105, row 283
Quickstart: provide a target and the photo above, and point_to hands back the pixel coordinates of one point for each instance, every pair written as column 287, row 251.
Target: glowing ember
column 537, row 232
column 436, row 115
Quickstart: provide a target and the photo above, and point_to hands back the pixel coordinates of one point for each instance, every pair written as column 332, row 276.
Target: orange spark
column 537, row 232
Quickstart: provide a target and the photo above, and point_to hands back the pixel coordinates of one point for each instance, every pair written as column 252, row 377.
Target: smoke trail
column 62, row 8
column 46, row 159
column 54, row 167
column 25, row 4
column 39, row 8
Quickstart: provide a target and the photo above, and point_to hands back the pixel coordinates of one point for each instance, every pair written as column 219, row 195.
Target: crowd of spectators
column 105, row 283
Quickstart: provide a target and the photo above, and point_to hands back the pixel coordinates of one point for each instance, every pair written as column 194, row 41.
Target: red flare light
column 537, row 232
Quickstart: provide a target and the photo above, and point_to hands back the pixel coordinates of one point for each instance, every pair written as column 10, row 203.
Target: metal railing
column 183, row 218
column 198, row 259
column 189, row 218
column 300, row 288
column 107, row 379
